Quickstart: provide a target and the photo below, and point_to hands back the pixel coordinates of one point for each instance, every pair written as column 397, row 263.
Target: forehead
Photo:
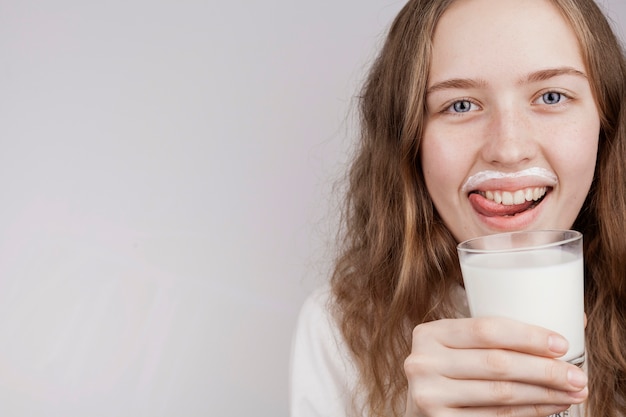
column 485, row 38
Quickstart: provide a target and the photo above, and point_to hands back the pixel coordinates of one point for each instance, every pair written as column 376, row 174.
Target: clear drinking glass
column 532, row 276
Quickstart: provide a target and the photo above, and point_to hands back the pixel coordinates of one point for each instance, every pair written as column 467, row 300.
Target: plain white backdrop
column 166, row 175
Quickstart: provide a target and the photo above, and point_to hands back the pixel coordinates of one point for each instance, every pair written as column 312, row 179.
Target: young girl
column 478, row 117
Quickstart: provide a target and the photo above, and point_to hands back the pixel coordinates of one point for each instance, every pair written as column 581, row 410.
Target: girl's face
column 512, row 128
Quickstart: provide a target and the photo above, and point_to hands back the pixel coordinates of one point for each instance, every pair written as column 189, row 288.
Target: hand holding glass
column 533, row 276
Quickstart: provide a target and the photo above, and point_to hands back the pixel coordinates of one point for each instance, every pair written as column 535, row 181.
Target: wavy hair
column 398, row 265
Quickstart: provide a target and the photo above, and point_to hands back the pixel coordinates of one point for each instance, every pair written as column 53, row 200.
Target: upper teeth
column 509, row 198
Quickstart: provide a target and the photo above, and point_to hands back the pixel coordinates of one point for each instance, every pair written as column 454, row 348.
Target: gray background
column 166, row 175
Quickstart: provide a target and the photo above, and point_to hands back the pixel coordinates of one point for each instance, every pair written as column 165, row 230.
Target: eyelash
column 563, row 98
column 449, row 108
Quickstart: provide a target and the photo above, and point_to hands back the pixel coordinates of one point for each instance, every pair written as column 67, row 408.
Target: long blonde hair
column 398, row 262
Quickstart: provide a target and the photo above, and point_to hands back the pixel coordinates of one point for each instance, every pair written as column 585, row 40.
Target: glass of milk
column 531, row 276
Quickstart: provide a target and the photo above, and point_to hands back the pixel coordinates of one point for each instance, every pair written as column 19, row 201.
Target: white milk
column 543, row 287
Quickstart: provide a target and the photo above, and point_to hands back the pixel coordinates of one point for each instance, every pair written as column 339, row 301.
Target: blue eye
column 552, row 97
column 461, row 106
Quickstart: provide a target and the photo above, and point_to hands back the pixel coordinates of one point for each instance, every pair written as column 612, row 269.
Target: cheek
column 432, row 156
column 579, row 153
column 442, row 165
column 575, row 161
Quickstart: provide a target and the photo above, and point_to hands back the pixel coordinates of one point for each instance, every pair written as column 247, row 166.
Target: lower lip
column 512, row 223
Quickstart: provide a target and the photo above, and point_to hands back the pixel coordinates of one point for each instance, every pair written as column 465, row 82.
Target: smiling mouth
column 507, row 203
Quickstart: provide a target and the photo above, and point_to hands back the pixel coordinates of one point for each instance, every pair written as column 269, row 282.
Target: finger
column 501, row 393
column 512, row 411
column 490, row 332
column 498, row 364
column 480, row 393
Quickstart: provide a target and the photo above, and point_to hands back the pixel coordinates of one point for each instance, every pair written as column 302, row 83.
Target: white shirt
column 323, row 374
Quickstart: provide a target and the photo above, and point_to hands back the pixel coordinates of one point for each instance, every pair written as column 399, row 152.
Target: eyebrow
column 460, row 83
column 546, row 74
column 468, row 83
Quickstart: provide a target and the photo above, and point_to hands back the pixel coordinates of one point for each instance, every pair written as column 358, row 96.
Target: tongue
column 490, row 208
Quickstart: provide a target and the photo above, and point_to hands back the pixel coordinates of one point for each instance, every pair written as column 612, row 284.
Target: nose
column 510, row 139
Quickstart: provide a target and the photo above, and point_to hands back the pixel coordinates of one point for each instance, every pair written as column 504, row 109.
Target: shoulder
column 323, row 375
column 316, row 307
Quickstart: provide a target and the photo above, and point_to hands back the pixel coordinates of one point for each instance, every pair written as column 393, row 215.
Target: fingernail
column 577, row 378
column 557, row 344
column 582, row 394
